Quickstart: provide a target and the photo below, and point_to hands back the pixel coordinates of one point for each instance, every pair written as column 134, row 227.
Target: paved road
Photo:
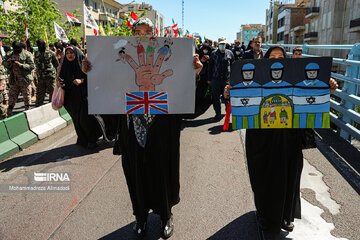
column 216, row 198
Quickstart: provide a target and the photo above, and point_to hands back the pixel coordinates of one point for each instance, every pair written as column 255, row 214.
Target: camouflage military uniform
column 46, row 65
column 20, row 78
column 3, row 99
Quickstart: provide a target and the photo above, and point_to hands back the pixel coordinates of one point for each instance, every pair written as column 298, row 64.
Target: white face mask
column 222, row 47
column 205, row 51
column 237, row 53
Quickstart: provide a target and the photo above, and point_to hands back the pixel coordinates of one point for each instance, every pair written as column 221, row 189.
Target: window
column 87, row 3
column 102, row 9
column 94, row 5
column 109, row 10
column 131, row 8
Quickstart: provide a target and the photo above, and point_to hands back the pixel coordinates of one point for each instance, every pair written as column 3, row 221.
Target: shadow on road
column 196, row 123
column 341, row 154
column 54, row 155
column 153, row 230
column 244, row 227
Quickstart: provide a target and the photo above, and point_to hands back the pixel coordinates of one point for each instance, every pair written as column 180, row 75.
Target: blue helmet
column 277, row 65
column 248, row 67
column 312, row 66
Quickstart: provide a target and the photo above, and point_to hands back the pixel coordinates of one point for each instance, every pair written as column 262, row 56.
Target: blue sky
column 210, row 18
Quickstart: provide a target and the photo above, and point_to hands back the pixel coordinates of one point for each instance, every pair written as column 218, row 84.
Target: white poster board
column 137, row 75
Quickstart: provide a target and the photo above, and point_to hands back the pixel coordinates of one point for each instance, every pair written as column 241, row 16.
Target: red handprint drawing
column 146, row 74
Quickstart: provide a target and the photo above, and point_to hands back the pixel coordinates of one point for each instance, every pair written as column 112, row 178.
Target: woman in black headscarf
column 275, row 171
column 75, row 100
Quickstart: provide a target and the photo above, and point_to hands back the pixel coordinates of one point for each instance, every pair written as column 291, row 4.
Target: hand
column 17, row 63
column 86, row 65
column 147, row 75
column 205, row 58
column 333, row 85
column 59, row 84
column 209, row 82
column 77, row 82
column 197, row 64
column 227, row 91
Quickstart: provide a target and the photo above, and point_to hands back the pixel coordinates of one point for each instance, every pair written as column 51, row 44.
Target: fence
column 348, row 94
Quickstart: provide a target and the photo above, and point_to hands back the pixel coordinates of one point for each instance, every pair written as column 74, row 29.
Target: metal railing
column 348, row 94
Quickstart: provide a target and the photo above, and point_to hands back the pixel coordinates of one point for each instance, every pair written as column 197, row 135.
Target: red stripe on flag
column 159, row 109
column 134, row 109
column 157, row 95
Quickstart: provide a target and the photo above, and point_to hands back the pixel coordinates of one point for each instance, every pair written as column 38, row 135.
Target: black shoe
column 218, row 117
column 168, row 228
column 140, row 228
column 92, row 145
column 287, row 226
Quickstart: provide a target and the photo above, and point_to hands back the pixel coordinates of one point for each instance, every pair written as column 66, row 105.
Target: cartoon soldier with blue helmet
column 277, row 85
column 277, row 70
column 311, row 76
column 248, row 72
column 311, row 96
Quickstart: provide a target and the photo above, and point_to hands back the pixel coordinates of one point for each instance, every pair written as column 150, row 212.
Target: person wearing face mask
column 219, row 74
column 46, row 65
column 237, row 51
column 20, row 66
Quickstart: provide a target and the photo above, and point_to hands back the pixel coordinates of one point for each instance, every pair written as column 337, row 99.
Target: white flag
column 89, row 20
column 60, row 33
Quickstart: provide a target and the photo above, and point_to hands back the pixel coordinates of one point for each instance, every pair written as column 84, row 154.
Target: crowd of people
column 31, row 73
column 150, row 144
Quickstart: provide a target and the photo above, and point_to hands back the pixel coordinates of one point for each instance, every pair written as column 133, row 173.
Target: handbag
column 57, row 100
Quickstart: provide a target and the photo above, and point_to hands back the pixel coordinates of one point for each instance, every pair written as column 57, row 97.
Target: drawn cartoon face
column 272, row 109
column 283, row 109
column 153, row 42
column 248, row 75
column 122, row 52
column 168, row 43
column 276, row 74
column 311, row 74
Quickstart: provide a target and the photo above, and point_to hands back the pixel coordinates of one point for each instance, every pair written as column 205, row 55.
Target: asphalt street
column 216, row 197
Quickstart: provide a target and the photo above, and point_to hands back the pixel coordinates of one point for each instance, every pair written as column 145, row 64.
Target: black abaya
column 75, row 102
column 152, row 173
column 275, row 161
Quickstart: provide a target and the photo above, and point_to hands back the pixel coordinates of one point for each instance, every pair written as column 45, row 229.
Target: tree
column 40, row 16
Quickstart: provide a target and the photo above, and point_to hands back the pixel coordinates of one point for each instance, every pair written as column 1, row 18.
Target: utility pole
column 183, row 15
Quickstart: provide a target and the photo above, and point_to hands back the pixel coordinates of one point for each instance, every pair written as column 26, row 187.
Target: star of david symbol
column 244, row 101
column 310, row 100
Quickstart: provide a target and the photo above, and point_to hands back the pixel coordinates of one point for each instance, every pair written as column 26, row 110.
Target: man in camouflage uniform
column 20, row 65
column 3, row 95
column 46, row 65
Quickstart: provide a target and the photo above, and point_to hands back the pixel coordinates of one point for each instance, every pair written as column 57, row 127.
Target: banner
column 60, row 33
column 141, row 75
column 89, row 20
column 281, row 93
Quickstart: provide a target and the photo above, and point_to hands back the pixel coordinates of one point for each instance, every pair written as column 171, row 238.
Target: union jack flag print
column 146, row 103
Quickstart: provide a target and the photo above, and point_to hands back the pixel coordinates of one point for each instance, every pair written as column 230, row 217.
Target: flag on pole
column 175, row 29
column 173, row 21
column 74, row 21
column 2, row 52
column 157, row 31
column 167, row 31
column 101, row 30
column 133, row 17
column 46, row 38
column 60, row 33
column 26, row 36
column 90, row 21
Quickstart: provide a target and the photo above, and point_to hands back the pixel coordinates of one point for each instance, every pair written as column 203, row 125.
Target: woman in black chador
column 74, row 82
column 275, row 162
column 150, row 147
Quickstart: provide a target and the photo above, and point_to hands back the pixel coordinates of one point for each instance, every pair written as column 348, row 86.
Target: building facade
column 249, row 31
column 156, row 17
column 105, row 12
column 332, row 22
